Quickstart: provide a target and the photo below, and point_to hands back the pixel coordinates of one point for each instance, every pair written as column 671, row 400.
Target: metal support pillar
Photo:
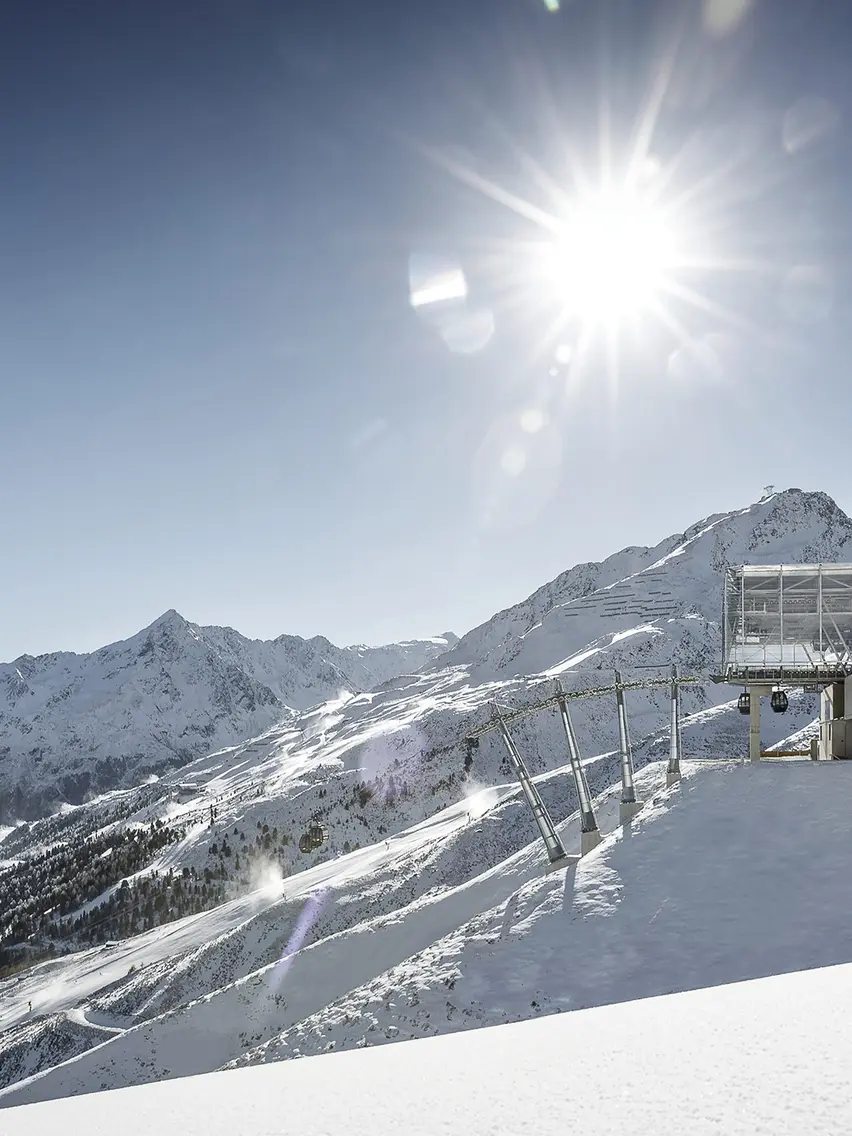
column 825, row 715
column 754, row 723
column 833, row 722
column 590, row 834
column 556, row 853
column 629, row 805
column 673, row 770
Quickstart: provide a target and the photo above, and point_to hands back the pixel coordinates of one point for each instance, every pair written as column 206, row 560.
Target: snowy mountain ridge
column 679, row 577
column 72, row 726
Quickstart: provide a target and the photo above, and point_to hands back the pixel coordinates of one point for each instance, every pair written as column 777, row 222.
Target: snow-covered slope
column 751, row 1057
column 75, row 725
column 719, row 880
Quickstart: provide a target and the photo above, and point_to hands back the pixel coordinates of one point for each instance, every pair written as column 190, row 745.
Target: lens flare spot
column 467, row 332
column 532, row 421
column 305, row 922
column 434, row 281
column 564, row 354
column 721, row 17
column 649, row 172
column 695, row 362
column 513, row 461
column 512, row 481
column 440, row 290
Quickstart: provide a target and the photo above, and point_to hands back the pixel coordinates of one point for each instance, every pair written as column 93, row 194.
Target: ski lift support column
column 673, row 770
column 629, row 806
column 590, row 835
column 556, row 853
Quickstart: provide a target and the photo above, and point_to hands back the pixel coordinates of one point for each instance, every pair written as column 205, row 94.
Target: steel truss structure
column 589, row 831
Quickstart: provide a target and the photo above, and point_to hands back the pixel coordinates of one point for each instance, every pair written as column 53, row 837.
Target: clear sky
column 215, row 392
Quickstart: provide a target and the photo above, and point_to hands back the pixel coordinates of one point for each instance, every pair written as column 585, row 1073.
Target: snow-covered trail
column 93, row 1021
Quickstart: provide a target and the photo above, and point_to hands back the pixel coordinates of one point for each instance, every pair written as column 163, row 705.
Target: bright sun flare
column 611, row 259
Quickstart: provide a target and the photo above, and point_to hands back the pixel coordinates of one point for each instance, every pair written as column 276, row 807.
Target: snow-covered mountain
column 431, row 859
column 654, row 590
column 72, row 726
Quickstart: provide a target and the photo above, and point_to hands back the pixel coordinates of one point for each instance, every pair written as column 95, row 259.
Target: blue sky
column 214, row 392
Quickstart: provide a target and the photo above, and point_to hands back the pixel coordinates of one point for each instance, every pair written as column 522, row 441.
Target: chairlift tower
column 556, row 853
column 673, row 770
column 590, row 834
column 629, row 806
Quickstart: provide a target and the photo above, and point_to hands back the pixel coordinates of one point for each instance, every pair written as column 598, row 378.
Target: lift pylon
column 673, row 769
column 556, row 853
column 590, row 835
column 629, row 806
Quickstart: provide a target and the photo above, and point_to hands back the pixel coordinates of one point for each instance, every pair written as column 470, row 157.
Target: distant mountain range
column 72, row 726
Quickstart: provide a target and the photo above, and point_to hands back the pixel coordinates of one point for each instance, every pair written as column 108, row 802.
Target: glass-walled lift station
column 791, row 624
column 787, row 621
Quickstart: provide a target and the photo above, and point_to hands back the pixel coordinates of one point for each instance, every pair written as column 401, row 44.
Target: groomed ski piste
column 736, row 873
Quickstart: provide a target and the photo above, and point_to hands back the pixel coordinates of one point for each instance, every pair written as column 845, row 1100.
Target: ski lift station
column 791, row 625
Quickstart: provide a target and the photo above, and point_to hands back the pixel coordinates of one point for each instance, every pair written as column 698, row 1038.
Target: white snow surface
column 753, row 1057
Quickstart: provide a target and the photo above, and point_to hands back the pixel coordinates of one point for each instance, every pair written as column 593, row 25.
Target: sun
column 612, row 253
column 611, row 258
column 615, row 254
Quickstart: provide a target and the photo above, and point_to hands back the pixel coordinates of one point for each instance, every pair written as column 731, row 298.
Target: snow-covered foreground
column 763, row 1056
column 734, row 874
